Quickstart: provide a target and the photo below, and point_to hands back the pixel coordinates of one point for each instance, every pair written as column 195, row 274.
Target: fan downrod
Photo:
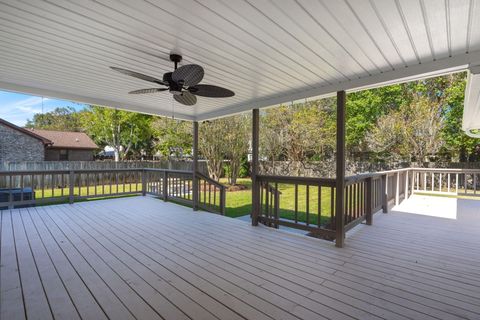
column 176, row 58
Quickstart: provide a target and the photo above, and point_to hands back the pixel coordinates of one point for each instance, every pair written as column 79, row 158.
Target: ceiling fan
column 183, row 83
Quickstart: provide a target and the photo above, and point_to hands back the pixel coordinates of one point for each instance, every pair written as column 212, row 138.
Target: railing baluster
column 21, row 187
column 332, row 208
column 308, row 204
column 474, row 184
column 319, row 206
column 433, row 181
column 296, row 203
column 87, row 181
column 62, row 186
column 448, row 182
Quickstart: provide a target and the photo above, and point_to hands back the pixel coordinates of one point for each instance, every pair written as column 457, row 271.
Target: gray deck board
column 142, row 258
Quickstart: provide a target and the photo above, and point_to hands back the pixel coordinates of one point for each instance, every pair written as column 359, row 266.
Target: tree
column 60, row 119
column 173, row 137
column 236, row 140
column 413, row 131
column 457, row 143
column 298, row 133
column 273, row 133
column 212, row 145
column 422, row 125
column 385, row 139
column 121, row 130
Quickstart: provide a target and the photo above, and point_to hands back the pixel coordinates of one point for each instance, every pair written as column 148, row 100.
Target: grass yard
column 239, row 203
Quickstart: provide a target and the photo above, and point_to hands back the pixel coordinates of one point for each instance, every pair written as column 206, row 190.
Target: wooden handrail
column 298, row 180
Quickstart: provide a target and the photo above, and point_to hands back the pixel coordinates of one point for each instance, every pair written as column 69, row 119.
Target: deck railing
column 465, row 182
column 26, row 188
column 312, row 207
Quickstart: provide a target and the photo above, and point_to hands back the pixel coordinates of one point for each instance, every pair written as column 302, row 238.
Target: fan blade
column 188, row 75
column 185, row 98
column 139, row 75
column 207, row 90
column 150, row 90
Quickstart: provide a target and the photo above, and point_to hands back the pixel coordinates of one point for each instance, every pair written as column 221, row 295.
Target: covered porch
column 142, row 258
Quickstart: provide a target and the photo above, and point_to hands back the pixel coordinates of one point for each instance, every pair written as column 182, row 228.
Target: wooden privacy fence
column 25, row 188
column 185, row 165
column 314, row 208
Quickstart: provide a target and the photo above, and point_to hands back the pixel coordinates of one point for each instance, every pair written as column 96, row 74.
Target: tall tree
column 121, row 130
column 410, row 133
column 60, row 119
column 273, row 133
column 212, row 145
column 173, row 137
column 237, row 139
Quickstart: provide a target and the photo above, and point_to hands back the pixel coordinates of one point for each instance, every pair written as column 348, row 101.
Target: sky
column 18, row 108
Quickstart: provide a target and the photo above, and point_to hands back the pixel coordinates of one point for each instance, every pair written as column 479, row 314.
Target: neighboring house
column 20, row 144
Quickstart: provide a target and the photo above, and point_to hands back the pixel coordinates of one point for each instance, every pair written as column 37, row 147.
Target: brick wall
column 17, row 146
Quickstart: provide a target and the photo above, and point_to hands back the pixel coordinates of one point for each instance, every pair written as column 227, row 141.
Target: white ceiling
column 268, row 52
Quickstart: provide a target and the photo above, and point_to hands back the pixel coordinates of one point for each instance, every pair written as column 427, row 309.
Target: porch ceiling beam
column 400, row 75
column 47, row 93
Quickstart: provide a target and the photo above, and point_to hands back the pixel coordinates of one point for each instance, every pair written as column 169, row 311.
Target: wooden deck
column 141, row 258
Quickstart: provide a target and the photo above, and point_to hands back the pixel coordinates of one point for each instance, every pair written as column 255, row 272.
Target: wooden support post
column 71, row 186
column 255, row 165
column 384, row 194
column 340, row 177
column 369, row 201
column 195, row 189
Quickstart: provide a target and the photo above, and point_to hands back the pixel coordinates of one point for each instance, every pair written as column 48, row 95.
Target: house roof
column 66, row 139
column 45, row 140
column 268, row 52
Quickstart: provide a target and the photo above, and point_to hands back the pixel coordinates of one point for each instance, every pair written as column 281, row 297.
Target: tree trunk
column 116, row 153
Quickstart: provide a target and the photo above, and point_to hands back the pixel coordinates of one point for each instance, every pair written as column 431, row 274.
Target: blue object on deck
column 28, row 194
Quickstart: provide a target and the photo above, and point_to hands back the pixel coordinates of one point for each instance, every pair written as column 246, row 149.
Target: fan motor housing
column 175, row 58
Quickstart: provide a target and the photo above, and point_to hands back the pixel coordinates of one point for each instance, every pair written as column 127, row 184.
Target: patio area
column 142, row 258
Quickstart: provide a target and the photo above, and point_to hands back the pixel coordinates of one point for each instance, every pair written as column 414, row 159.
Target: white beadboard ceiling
column 268, row 52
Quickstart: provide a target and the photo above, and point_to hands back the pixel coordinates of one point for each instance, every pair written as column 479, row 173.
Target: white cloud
column 26, row 107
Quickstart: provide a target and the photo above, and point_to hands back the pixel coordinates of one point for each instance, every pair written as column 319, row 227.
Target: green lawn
column 239, row 203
